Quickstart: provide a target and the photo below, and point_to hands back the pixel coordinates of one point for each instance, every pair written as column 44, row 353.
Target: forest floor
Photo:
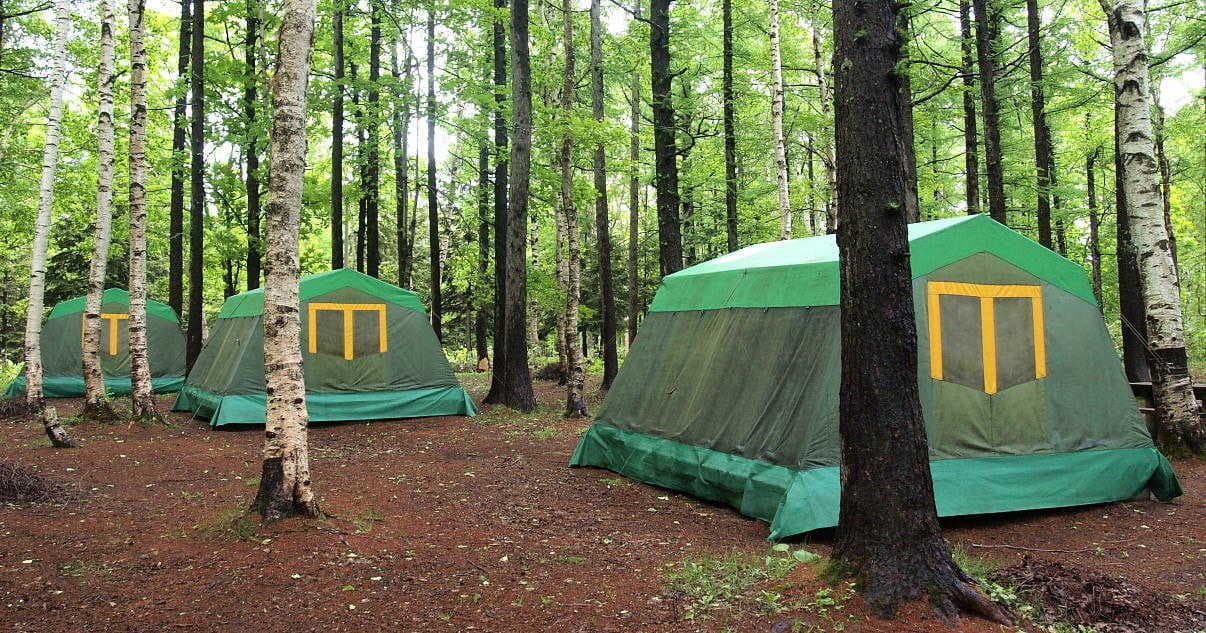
column 476, row 524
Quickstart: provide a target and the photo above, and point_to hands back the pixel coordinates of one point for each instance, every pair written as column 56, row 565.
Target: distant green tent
column 368, row 353
column 62, row 335
column 730, row 392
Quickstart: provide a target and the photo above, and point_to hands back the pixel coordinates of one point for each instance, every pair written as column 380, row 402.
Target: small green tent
column 368, row 353
column 730, row 392
column 62, row 335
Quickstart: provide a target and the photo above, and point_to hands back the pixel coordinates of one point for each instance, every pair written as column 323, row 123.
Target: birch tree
column 569, row 260
column 37, row 267
column 285, row 488
column 1180, row 427
column 96, row 399
column 141, row 398
column 777, row 124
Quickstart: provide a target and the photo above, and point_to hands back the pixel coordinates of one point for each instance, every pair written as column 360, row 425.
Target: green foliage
column 710, row 582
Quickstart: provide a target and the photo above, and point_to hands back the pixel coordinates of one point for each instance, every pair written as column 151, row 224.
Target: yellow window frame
column 112, row 318
column 988, row 330
column 349, row 325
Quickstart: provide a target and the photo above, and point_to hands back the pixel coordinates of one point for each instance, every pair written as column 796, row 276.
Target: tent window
column 348, row 339
column 985, row 335
column 113, row 319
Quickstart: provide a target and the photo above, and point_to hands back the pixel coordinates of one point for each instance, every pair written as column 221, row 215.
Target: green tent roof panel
column 368, row 353
column 730, row 390
column 62, row 335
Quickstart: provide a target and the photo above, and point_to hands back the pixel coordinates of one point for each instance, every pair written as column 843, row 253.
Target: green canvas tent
column 368, row 353
column 62, row 335
column 730, row 392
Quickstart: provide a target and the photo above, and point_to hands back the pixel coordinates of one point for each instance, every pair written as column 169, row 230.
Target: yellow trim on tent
column 987, row 293
column 112, row 318
column 349, row 325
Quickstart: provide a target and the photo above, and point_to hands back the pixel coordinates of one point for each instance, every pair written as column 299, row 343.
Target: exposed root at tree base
column 55, row 431
column 950, row 591
column 275, row 501
column 100, row 412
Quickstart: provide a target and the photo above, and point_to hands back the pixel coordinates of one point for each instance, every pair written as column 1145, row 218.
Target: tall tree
column 141, row 399
column 498, row 380
column 634, row 197
column 569, row 257
column 179, row 165
column 1094, row 221
column 433, row 204
column 96, row 401
column 516, row 391
column 372, row 199
column 400, row 124
column 337, row 246
column 780, row 141
column 831, row 219
column 37, row 261
column 730, row 127
column 988, row 25
column 607, row 295
column 1130, row 300
column 1180, row 425
column 665, row 148
column 251, row 147
column 196, row 229
column 887, row 535
column 1043, row 151
column 481, row 317
column 285, row 487
column 971, row 143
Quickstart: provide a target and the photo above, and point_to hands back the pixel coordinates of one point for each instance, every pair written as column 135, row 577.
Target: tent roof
column 251, row 303
column 804, row 272
column 112, row 295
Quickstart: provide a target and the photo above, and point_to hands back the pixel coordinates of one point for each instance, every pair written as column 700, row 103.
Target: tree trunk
column 988, row 25
column 634, row 200
column 1038, row 115
column 481, row 325
column 96, row 397
column 730, row 132
column 971, row 144
column 784, row 193
column 498, row 380
column 372, row 240
column 179, row 166
column 669, row 231
column 607, row 302
column 399, row 126
column 1094, row 222
column 1180, row 425
column 251, row 149
column 831, row 218
column 433, row 212
column 516, row 390
column 285, row 488
column 337, row 143
column 1165, row 177
column 143, row 407
column 912, row 207
column 888, row 535
column 569, row 269
column 361, row 165
column 196, row 229
column 1130, row 303
column 37, row 262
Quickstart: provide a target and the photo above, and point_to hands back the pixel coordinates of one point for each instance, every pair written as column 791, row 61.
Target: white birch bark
column 569, row 268
column 785, row 216
column 95, row 395
column 140, row 370
column 37, row 268
column 285, row 488
column 1180, row 426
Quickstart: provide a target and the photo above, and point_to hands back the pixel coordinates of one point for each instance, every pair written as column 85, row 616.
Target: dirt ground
column 461, row 524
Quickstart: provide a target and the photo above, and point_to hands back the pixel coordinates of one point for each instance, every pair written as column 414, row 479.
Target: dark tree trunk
column 670, row 245
column 337, row 144
column 433, row 205
column 372, row 169
column 400, row 128
column 911, row 202
column 634, row 199
column 1130, row 298
column 888, row 533
column 179, row 147
column 481, row 324
column 611, row 363
column 1038, row 114
column 254, row 242
column 516, row 391
column 1165, row 181
column 988, row 24
column 730, row 133
column 361, row 164
column 498, row 382
column 196, row 229
column 1094, row 223
column 971, row 144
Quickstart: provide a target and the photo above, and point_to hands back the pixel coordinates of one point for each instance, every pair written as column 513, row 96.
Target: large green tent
column 62, row 335
column 730, row 392
column 368, row 353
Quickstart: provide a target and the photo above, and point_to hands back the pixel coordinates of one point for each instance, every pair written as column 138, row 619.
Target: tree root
column 55, row 430
column 144, row 412
column 100, row 411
